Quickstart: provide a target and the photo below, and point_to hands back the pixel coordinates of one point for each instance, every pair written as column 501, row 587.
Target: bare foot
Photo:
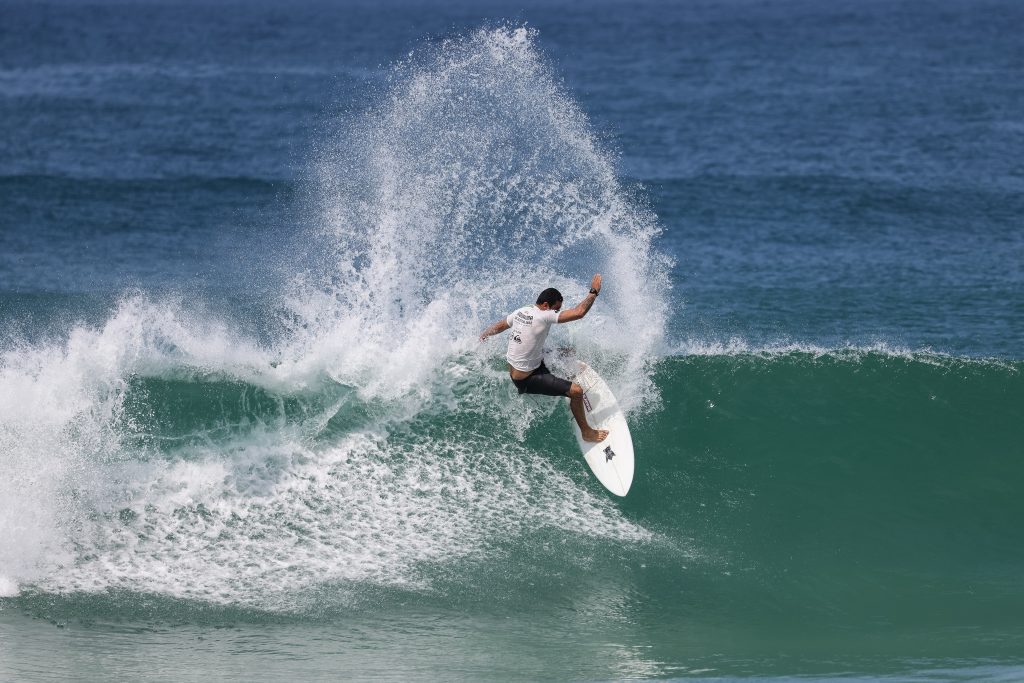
column 595, row 435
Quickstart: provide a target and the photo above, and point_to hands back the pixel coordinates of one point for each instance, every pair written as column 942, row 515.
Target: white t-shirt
column 530, row 327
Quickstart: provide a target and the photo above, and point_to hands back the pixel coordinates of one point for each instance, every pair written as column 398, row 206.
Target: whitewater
column 163, row 452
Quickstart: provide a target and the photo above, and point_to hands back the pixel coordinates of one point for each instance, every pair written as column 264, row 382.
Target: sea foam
column 472, row 182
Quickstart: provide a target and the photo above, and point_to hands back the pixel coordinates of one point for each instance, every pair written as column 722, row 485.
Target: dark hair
column 549, row 296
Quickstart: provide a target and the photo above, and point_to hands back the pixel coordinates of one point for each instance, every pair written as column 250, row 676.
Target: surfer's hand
column 595, row 282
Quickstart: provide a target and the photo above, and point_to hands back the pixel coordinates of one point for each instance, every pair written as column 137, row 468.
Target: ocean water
column 247, row 430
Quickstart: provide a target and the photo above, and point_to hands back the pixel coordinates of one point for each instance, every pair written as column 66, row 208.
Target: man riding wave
column 530, row 326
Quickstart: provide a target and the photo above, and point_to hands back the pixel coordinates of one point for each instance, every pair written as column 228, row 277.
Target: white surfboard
column 610, row 460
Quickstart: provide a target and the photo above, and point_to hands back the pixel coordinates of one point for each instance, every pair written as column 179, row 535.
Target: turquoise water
column 247, row 430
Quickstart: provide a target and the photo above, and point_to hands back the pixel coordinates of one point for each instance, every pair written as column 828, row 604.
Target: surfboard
column 610, row 460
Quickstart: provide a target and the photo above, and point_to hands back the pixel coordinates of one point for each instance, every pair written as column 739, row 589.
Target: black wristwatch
column 593, row 291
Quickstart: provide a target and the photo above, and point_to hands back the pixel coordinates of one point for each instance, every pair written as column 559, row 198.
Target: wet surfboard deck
column 610, row 460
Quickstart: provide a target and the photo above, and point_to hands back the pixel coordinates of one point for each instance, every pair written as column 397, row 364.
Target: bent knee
column 575, row 391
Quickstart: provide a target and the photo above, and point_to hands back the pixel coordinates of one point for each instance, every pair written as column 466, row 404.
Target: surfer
column 530, row 326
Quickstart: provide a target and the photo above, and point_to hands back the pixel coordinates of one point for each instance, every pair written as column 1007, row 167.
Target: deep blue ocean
column 247, row 430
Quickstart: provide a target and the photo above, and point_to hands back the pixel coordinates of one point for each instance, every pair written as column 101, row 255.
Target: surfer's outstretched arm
column 496, row 328
column 581, row 309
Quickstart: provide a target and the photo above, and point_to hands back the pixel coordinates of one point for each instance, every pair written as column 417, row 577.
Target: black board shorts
column 541, row 381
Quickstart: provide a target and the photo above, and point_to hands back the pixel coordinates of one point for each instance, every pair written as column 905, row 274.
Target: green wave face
column 852, row 490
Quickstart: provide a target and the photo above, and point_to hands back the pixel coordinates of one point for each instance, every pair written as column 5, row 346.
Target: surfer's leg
column 541, row 381
column 576, row 406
